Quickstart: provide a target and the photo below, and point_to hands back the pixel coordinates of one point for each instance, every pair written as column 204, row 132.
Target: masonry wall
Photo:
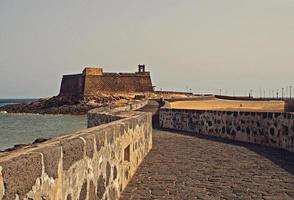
column 265, row 128
column 106, row 115
column 72, row 85
column 117, row 84
column 94, row 163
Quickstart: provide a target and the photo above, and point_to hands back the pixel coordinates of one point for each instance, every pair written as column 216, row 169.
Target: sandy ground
column 230, row 105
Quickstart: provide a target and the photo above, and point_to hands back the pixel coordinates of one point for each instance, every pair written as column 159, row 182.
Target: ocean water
column 3, row 104
column 25, row 128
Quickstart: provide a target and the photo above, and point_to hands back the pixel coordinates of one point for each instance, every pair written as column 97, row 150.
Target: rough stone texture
column 100, row 140
column 92, row 192
column 68, row 197
column 52, row 156
column 91, row 70
column 72, row 85
column 113, row 194
column 1, row 184
column 20, row 174
column 183, row 167
column 93, row 82
column 114, row 173
column 73, row 151
column 105, row 115
column 108, row 172
column 83, row 192
column 89, row 146
column 266, row 128
column 100, row 187
column 79, row 165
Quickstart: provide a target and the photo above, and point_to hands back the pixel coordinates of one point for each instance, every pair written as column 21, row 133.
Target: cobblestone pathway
column 185, row 167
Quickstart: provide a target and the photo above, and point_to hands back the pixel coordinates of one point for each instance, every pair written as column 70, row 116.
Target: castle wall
column 72, row 85
column 265, row 128
column 95, row 163
column 93, row 71
column 93, row 82
column 117, row 84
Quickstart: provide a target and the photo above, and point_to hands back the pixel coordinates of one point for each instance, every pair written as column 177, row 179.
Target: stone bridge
column 181, row 166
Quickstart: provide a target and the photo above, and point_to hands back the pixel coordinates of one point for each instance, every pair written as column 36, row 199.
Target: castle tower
column 141, row 68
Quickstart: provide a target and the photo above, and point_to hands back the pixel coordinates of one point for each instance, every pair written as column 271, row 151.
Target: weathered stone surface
column 89, row 145
column 100, row 140
column 100, row 187
column 270, row 129
column 68, row 197
column 95, row 84
column 108, row 173
column 110, row 135
column 113, row 194
column 187, row 167
column 83, row 192
column 75, row 170
column 73, row 150
column 1, row 184
column 92, row 191
column 20, row 174
column 114, row 173
column 52, row 157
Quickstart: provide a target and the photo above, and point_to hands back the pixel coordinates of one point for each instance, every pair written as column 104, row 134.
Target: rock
column 39, row 140
column 64, row 105
column 17, row 146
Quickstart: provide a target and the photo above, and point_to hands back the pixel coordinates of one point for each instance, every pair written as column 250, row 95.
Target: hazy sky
column 200, row 44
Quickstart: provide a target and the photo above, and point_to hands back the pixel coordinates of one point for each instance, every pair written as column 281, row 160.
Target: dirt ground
column 230, row 105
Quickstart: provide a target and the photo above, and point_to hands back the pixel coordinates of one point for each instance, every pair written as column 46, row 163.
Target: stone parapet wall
column 95, row 163
column 265, row 128
column 108, row 114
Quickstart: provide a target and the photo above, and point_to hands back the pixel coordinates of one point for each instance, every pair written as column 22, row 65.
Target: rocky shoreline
column 64, row 105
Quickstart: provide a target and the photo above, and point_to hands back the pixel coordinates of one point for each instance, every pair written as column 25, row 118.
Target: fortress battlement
column 93, row 81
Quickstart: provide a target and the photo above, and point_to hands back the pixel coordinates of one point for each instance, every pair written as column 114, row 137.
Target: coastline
column 63, row 105
column 22, row 129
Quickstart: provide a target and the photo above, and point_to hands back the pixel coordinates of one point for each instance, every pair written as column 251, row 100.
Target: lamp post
column 290, row 87
column 277, row 93
column 282, row 93
column 250, row 93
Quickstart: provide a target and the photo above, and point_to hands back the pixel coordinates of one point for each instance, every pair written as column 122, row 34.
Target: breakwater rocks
column 64, row 105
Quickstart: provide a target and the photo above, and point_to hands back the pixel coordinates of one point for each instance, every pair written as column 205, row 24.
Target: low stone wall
column 108, row 114
column 95, row 163
column 266, row 128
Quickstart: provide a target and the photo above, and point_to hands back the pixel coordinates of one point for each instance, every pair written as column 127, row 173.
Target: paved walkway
column 184, row 167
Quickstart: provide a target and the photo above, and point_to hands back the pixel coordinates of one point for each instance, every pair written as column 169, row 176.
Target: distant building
column 94, row 82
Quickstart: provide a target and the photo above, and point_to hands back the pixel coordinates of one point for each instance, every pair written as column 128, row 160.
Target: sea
column 25, row 128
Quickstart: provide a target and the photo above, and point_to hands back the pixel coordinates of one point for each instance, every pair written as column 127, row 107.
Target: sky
column 202, row 45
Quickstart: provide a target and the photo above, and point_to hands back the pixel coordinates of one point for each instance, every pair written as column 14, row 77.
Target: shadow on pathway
column 282, row 158
column 187, row 167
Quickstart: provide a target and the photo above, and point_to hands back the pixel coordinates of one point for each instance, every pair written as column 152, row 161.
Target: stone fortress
column 94, row 82
column 193, row 154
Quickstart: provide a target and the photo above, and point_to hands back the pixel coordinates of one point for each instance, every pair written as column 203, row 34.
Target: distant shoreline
column 16, row 100
column 59, row 104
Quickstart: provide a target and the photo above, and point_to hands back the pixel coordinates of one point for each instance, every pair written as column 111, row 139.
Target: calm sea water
column 3, row 104
column 25, row 128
